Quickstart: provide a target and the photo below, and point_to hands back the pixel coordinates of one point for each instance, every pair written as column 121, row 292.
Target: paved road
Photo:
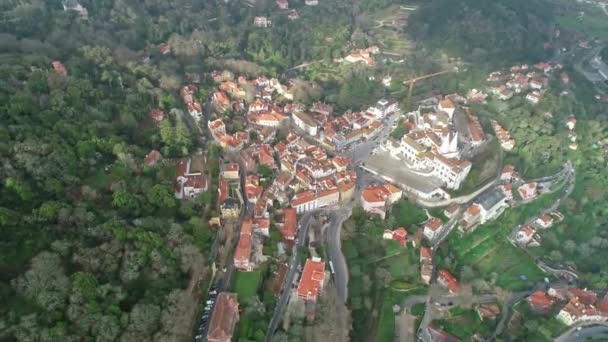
column 334, row 251
column 339, row 215
column 279, row 310
column 585, row 331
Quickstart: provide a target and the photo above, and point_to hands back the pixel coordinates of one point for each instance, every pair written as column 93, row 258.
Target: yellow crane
column 413, row 81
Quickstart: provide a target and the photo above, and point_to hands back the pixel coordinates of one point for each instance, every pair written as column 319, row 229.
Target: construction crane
column 413, row 81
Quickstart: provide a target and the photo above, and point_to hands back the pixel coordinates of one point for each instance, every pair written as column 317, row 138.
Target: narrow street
column 303, row 225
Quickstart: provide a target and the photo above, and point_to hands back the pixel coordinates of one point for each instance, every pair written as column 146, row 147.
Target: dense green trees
column 481, row 31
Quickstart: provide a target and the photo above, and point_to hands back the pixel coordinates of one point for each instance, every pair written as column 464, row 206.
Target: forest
column 485, row 31
column 94, row 244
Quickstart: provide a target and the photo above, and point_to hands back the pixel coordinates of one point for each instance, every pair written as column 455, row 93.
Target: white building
column 327, row 198
column 305, row 201
column 305, row 122
column 432, row 227
column 525, row 235
column 262, row 22
column 383, row 108
column 447, row 106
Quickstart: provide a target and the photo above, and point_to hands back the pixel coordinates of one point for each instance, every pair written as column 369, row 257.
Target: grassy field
column 464, row 323
column 246, row 284
column 593, row 24
column 488, row 251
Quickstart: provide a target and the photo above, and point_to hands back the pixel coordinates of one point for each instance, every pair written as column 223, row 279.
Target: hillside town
column 284, row 159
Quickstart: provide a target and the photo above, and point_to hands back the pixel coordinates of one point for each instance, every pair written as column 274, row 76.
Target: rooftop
column 312, row 278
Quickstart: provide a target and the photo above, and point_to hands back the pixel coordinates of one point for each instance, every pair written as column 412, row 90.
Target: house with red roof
column 242, row 254
column 488, row 311
column 156, row 115
column 253, row 189
column 190, row 182
column 447, row 106
column 583, row 305
column 399, row 234
column 485, row 207
column 289, row 224
column 540, row 301
column 544, row 221
column 476, row 133
column 266, row 156
column 375, row 199
column 432, row 227
column 230, row 171
column 525, row 235
column 221, row 101
column 509, row 174
column 528, row 191
column 312, row 279
column 152, row 158
column 447, row 280
column 224, row 317
column 328, row 197
column 261, row 225
column 304, row 201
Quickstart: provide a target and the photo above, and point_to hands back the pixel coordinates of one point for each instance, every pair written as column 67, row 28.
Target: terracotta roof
column 540, row 300
column 312, row 278
column 303, row 197
column 447, row 103
column 488, row 311
column 433, row 224
column 438, row 335
column 243, row 249
column 374, row 195
column 474, row 210
column 449, row 280
column 289, row 223
column 586, row 297
column 224, row 317
column 152, row 158
column 261, row 223
column 425, row 253
column 156, row 115
column 400, row 232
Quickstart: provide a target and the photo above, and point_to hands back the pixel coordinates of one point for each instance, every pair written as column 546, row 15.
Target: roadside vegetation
column 382, row 273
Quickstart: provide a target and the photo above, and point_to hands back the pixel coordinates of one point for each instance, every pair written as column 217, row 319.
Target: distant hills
column 484, row 30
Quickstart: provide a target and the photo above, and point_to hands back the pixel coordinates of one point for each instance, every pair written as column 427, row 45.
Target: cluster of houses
column 504, row 137
column 491, row 204
column 195, row 108
column 520, row 79
column 444, row 277
column 339, row 132
column 576, row 305
column 526, row 235
column 431, row 146
column 363, row 56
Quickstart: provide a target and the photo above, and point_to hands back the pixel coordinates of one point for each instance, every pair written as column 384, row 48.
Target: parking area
column 203, row 322
column 395, row 170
